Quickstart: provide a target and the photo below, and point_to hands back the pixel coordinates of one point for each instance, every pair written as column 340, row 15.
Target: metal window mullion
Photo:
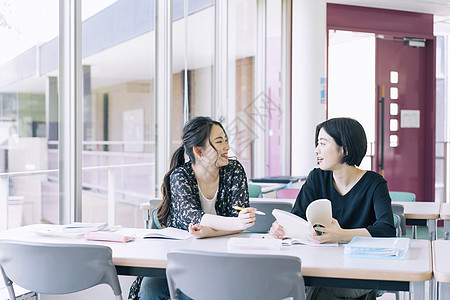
column 70, row 108
column 163, row 89
column 446, row 46
column 186, row 86
column 285, row 105
column 259, row 112
column 220, row 99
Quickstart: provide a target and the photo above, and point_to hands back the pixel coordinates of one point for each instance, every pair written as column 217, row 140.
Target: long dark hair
column 196, row 133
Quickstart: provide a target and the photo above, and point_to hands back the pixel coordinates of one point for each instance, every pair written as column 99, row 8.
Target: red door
column 401, row 73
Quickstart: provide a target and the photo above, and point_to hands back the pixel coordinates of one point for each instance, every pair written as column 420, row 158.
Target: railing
column 111, row 190
column 442, row 180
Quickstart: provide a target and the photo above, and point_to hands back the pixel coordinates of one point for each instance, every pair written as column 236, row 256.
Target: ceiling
column 439, row 8
column 112, row 62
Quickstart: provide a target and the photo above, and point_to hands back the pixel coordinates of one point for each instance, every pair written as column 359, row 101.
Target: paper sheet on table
column 221, row 223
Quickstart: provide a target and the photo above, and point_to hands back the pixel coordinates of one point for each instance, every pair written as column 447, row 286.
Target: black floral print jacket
column 185, row 206
column 185, row 196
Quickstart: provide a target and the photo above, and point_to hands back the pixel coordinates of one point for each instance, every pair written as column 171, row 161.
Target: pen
column 256, row 212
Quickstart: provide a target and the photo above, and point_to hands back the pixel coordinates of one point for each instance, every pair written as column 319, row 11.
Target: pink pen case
column 108, row 236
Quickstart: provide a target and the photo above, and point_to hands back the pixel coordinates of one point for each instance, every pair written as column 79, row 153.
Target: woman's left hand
column 330, row 234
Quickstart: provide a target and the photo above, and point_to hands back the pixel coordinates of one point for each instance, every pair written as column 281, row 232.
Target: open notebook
column 318, row 214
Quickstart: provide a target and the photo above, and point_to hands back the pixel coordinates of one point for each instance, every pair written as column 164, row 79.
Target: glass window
column 394, row 77
column 193, row 59
column 118, row 109
column 393, row 140
column 241, row 72
column 393, row 93
column 393, row 109
column 393, row 125
column 29, row 110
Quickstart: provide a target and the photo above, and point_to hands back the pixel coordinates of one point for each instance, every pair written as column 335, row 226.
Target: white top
column 208, row 205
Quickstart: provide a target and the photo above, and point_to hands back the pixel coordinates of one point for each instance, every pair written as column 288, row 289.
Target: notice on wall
column 409, row 118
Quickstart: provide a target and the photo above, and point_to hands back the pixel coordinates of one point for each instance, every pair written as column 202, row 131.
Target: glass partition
column 27, row 89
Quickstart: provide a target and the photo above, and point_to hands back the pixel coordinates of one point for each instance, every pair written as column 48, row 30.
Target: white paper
column 168, row 233
column 319, row 212
column 221, row 223
column 409, row 118
column 293, row 225
column 253, row 244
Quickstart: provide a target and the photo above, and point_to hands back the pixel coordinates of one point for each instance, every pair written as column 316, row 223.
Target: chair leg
column 8, row 284
column 12, row 295
column 118, row 297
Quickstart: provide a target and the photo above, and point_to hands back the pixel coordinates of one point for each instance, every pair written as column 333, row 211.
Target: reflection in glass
column 241, row 74
column 394, row 77
column 394, row 93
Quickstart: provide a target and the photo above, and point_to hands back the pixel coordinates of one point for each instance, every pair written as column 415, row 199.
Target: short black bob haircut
column 349, row 134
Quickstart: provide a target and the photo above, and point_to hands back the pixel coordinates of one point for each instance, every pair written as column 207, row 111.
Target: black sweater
column 366, row 205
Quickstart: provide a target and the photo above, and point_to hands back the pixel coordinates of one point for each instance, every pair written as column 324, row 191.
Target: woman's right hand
column 247, row 217
column 277, row 230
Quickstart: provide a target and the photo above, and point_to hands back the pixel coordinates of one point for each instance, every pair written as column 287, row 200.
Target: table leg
column 446, row 229
column 432, row 225
column 417, row 290
column 443, row 290
column 433, row 289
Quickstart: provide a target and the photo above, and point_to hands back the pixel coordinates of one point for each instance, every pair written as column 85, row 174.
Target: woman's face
column 329, row 154
column 218, row 156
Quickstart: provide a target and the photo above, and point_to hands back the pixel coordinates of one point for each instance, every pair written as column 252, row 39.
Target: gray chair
column 398, row 209
column 149, row 213
column 222, row 276
column 405, row 197
column 263, row 223
column 154, row 224
column 56, row 268
column 400, row 231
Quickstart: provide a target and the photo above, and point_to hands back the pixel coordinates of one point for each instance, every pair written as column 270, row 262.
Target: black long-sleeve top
column 366, row 205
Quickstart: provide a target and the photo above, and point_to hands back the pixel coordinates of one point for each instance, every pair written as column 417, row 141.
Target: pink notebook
column 108, row 236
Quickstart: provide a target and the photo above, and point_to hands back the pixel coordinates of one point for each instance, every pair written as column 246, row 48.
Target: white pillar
column 308, row 67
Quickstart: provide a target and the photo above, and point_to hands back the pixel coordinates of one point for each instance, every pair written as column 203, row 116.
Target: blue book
column 373, row 247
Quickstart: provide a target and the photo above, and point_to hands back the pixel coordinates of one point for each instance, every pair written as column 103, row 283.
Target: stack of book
column 372, row 247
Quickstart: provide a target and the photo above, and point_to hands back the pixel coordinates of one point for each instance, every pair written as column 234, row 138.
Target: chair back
column 288, row 193
column 398, row 209
column 235, row 275
column 402, row 196
column 154, row 223
column 254, row 191
column 51, row 268
column 263, row 223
